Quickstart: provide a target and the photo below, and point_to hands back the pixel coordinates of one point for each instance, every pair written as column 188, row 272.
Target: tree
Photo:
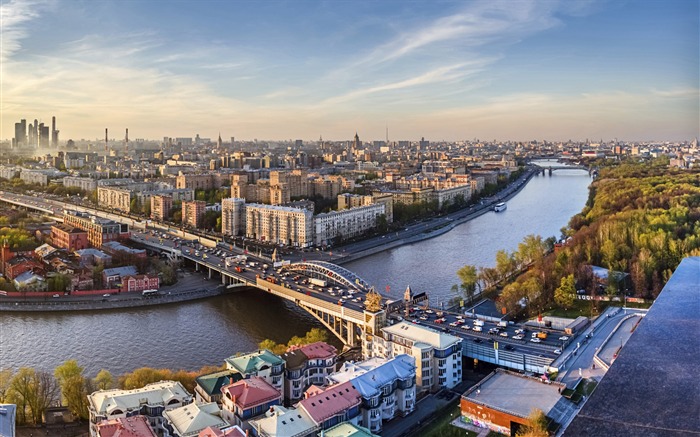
column 73, row 387
column 536, row 427
column 470, row 279
column 33, row 392
column 104, row 380
column 5, row 381
column 565, row 294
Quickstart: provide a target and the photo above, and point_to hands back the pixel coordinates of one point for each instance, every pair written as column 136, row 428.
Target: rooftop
column 515, row 394
column 121, row 271
column 368, row 376
column 188, row 420
column 254, row 361
column 158, row 393
column 134, row 426
column 281, row 421
column 652, row 388
column 248, row 393
column 332, row 401
column 212, row 382
column 422, row 334
column 347, row 429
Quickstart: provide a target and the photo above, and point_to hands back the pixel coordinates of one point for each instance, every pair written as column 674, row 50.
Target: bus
column 149, row 293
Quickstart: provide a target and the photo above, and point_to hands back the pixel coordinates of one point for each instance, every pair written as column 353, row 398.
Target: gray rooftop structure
column 652, row 388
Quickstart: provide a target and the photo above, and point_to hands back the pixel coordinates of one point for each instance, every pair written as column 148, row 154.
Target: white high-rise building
column 233, row 216
column 279, row 224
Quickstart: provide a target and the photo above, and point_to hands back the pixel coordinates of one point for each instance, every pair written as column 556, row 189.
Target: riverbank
column 191, row 288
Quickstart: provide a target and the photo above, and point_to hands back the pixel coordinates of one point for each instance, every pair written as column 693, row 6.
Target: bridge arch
column 331, row 272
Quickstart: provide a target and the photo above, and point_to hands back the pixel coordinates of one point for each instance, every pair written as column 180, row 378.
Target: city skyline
column 452, row 71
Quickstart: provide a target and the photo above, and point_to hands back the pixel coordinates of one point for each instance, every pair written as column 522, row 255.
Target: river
column 193, row 334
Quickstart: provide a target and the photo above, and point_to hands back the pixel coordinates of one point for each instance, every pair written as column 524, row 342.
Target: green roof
column 254, row 361
column 212, row 382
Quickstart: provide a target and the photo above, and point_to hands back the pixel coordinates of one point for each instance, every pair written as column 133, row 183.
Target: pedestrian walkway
column 611, row 348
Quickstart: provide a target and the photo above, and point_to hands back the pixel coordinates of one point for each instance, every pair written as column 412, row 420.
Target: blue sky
column 445, row 70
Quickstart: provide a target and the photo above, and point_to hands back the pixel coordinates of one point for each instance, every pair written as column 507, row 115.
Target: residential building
column 118, row 198
column 333, row 405
column 263, row 364
column 91, row 256
column 233, row 216
column 347, row 429
column 112, row 277
column 99, row 230
column 30, row 281
column 438, row 355
column 151, row 401
column 193, row 212
column 247, row 399
column 208, row 388
column 21, row 264
column 133, row 426
column 281, row 421
column 41, row 177
column 85, row 184
column 201, row 181
column 139, row 283
column 307, row 365
column 279, row 225
column 387, row 387
column 336, row 226
column 229, row 431
column 69, row 237
column 190, row 419
column 160, row 207
column 115, row 248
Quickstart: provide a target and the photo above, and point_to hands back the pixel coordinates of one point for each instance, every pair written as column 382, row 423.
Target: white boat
column 500, row 207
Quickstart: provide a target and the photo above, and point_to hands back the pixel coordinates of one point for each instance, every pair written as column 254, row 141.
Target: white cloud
column 14, row 15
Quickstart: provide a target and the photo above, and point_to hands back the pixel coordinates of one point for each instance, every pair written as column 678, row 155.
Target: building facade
column 69, row 237
column 307, row 365
column 233, row 216
column 160, row 207
column 99, row 230
column 279, row 225
column 336, row 226
column 193, row 212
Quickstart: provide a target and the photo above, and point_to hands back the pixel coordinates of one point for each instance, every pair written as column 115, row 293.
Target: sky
column 443, row 70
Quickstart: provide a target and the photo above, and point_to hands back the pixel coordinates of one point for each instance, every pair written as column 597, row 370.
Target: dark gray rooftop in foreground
column 653, row 388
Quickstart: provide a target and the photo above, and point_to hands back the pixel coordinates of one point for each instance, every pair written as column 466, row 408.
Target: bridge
column 552, row 168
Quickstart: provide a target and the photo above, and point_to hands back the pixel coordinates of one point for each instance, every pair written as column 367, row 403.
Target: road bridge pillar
column 350, row 334
column 209, row 272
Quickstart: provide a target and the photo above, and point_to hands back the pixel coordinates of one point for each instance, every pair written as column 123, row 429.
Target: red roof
column 135, row 426
column 320, row 350
column 216, row 432
column 332, row 401
column 248, row 393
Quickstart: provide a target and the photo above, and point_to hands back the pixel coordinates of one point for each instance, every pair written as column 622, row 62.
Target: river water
column 194, row 334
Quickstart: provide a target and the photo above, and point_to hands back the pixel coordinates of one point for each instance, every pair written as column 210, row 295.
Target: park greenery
column 641, row 219
column 314, row 335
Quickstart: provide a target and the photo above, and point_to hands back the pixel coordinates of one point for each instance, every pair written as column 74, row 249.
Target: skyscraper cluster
column 35, row 135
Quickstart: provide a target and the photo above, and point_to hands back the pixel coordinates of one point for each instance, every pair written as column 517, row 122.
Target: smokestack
column 106, row 140
column 127, row 134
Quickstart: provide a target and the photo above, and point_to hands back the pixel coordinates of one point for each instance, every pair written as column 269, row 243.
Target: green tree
column 470, row 279
column 6, row 376
column 565, row 294
column 73, row 387
column 104, row 380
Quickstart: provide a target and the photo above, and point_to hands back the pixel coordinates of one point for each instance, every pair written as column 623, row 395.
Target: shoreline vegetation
column 33, row 390
column 641, row 219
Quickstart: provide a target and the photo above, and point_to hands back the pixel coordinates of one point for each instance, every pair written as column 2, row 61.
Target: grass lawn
column 441, row 427
column 586, row 387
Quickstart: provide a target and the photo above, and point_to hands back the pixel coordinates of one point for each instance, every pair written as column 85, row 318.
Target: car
column 503, row 334
column 56, row 295
column 466, row 327
column 563, row 338
column 557, row 351
column 518, row 337
column 106, row 295
column 520, row 331
column 535, row 340
column 454, row 324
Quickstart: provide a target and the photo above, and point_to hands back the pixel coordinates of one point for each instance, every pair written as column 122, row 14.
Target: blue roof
column 401, row 367
column 121, row 271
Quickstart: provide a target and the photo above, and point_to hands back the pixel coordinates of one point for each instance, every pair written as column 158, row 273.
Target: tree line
column 640, row 220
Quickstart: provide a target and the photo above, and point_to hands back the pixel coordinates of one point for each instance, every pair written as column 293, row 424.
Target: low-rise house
column 150, row 401
column 134, row 426
column 347, row 429
column 281, row 421
column 333, row 405
column 307, row 365
column 247, row 399
column 18, row 265
column 91, row 257
column 115, row 247
column 387, row 387
column 231, row 431
column 261, row 363
column 208, row 388
column 82, row 280
column 190, row 419
column 30, row 281
column 112, row 277
column 140, row 283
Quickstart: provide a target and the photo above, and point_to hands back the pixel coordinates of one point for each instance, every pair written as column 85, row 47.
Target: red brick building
column 69, row 237
column 140, row 283
column 18, row 265
column 192, row 212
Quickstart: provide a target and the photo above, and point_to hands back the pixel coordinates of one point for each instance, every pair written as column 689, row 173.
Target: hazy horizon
column 516, row 70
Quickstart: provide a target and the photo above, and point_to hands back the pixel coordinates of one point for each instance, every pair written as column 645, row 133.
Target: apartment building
column 279, row 225
column 193, row 212
column 387, row 387
column 247, row 399
column 261, row 363
column 69, row 237
column 85, row 184
column 150, row 401
column 233, row 216
column 99, row 230
column 307, row 365
column 336, row 226
column 161, row 206
column 438, row 355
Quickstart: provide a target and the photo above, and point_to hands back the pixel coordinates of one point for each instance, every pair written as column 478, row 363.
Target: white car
column 466, row 327
column 557, row 351
column 535, row 340
column 563, row 338
column 518, row 337
column 503, row 334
